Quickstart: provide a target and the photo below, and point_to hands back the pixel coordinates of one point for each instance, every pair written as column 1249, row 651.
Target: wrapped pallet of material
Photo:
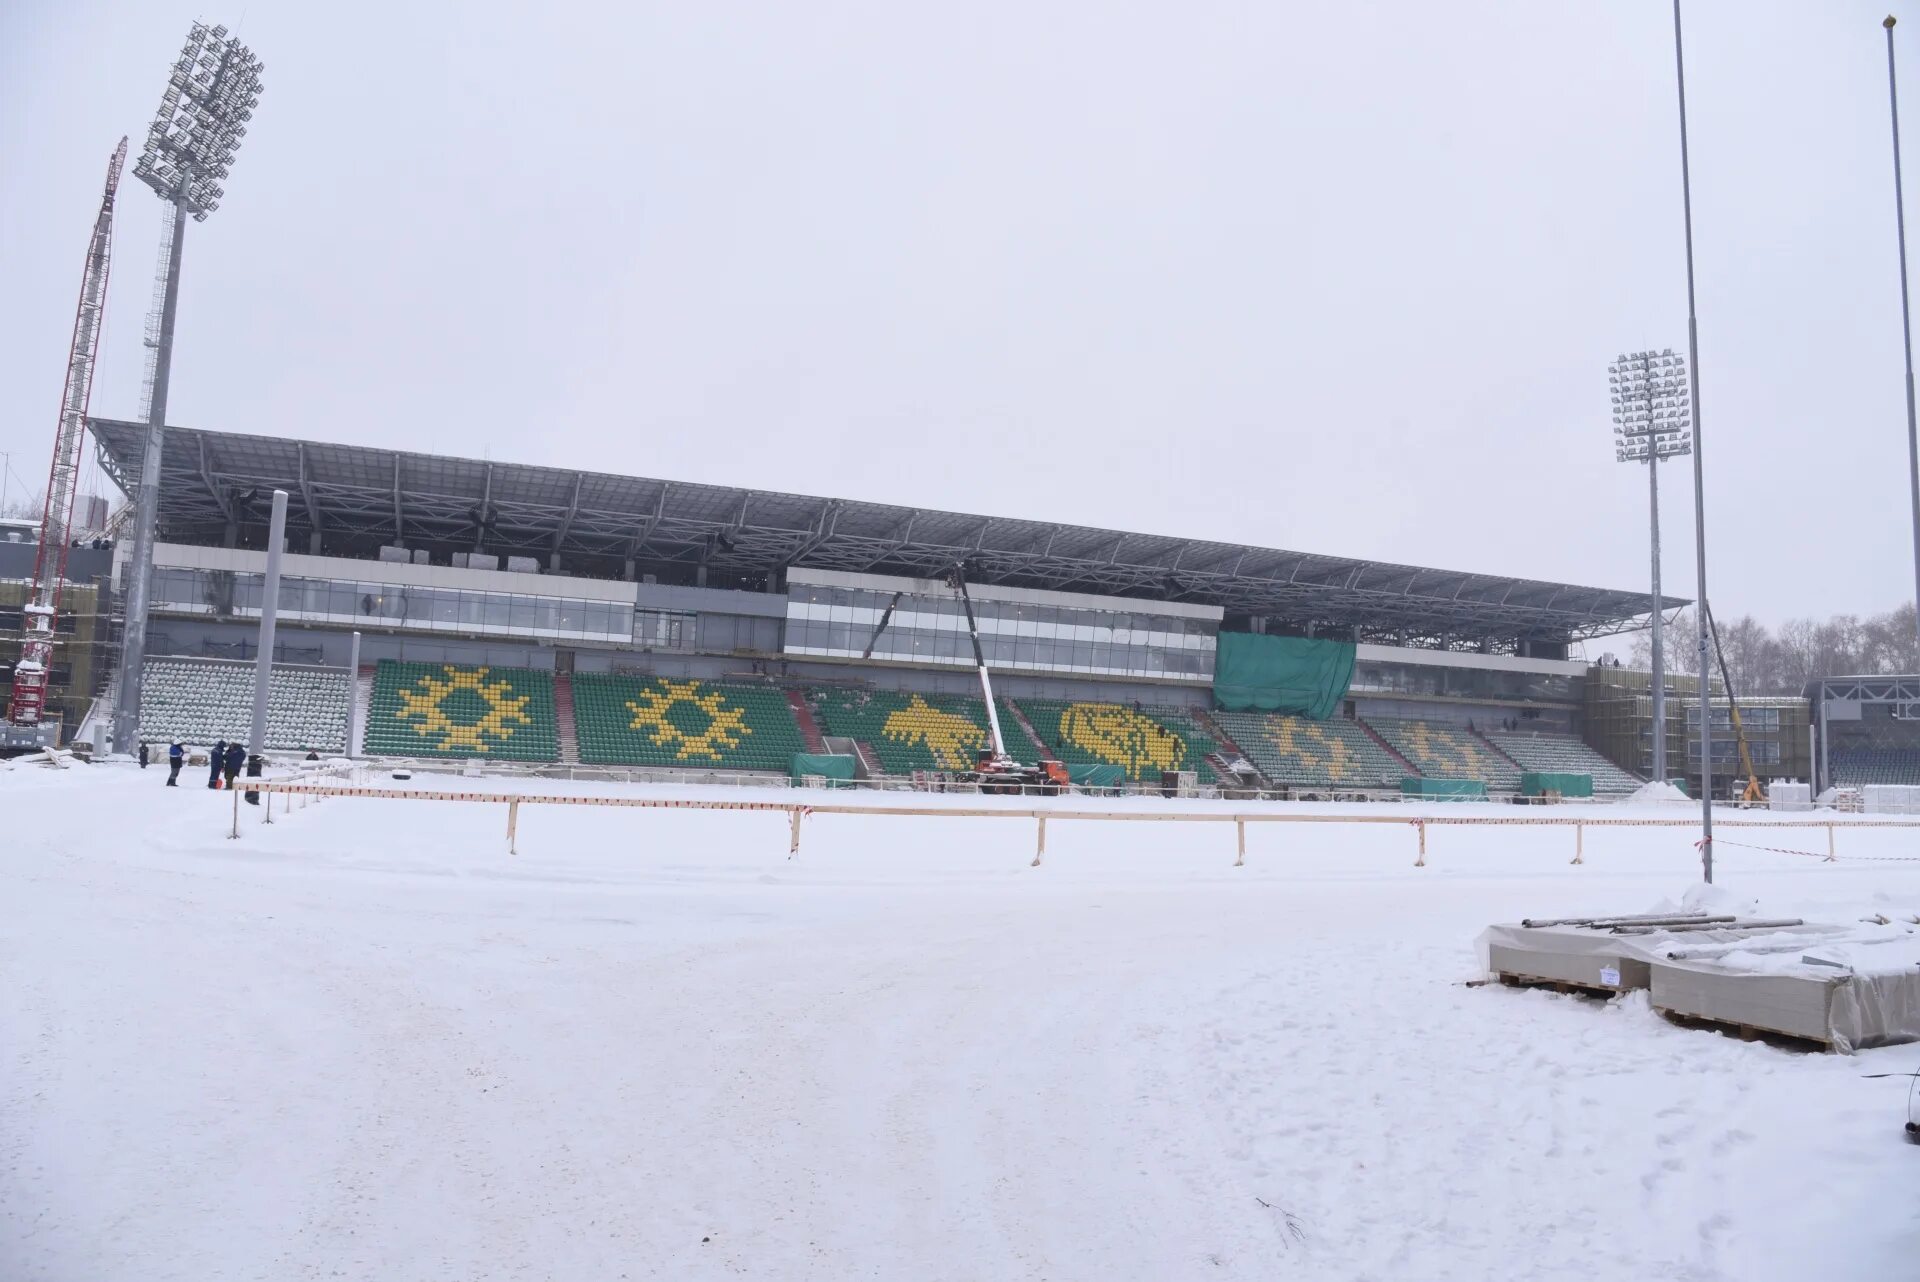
column 1853, row 989
column 1538, row 783
column 1890, row 799
column 1444, row 789
column 1617, row 954
column 1783, row 794
column 1581, row 956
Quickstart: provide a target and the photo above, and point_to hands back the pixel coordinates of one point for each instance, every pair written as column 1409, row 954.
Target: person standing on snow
column 143, row 754
column 176, row 757
column 219, row 759
column 236, row 759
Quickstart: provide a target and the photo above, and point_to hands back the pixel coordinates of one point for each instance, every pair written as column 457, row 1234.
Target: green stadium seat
column 461, row 710
column 1297, row 752
column 908, row 732
column 1442, row 751
column 1861, row 767
column 657, row 721
column 1141, row 742
column 1564, row 754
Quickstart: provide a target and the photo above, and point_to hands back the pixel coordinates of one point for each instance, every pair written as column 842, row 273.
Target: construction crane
column 26, row 726
column 996, row 769
column 1754, row 792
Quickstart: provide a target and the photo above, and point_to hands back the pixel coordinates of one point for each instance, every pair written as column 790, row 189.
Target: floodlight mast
column 1652, row 420
column 212, row 90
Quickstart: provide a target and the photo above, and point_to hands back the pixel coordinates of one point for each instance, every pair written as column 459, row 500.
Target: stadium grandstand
column 542, row 616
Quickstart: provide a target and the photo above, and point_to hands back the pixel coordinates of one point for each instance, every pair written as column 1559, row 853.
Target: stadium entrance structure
column 1618, row 716
column 583, row 591
column 1869, row 732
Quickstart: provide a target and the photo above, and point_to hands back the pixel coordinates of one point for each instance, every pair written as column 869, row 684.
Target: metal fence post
column 1040, row 847
column 1240, row 832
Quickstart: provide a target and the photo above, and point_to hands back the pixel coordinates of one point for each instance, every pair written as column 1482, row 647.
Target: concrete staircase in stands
column 1222, row 771
column 362, row 705
column 565, row 734
column 1230, row 749
column 1497, row 751
column 1388, row 748
column 803, row 717
column 1034, row 740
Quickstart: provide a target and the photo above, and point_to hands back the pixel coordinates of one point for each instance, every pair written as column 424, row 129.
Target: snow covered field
column 367, row 1043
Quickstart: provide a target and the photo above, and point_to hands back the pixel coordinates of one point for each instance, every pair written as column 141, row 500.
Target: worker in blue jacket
column 218, row 760
column 176, row 757
column 236, row 761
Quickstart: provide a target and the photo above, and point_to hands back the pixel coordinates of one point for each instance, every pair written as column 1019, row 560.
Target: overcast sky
column 1337, row 278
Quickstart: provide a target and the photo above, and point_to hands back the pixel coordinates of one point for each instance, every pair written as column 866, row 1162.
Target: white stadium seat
column 198, row 701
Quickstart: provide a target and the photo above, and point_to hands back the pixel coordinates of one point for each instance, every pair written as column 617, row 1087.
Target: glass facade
column 663, row 630
column 1753, row 720
column 1434, row 681
column 1726, row 753
column 232, row 594
column 1018, row 636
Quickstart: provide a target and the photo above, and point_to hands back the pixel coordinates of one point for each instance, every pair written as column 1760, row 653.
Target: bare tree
column 1763, row 662
column 24, row 507
column 1748, row 651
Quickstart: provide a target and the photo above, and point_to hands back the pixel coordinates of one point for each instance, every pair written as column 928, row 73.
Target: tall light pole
column 211, row 92
column 1652, row 420
column 269, row 617
column 1699, row 474
column 1906, row 318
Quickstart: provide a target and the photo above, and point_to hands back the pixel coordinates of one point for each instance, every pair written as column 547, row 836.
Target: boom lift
column 996, row 770
column 1754, row 792
column 26, row 726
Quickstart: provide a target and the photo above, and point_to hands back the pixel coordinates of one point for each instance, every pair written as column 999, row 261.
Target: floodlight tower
column 1652, row 420
column 211, row 92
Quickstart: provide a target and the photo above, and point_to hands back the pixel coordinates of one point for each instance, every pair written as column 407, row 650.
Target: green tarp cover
column 832, row 767
column 1281, row 674
column 1417, row 787
column 1535, row 782
column 1097, row 775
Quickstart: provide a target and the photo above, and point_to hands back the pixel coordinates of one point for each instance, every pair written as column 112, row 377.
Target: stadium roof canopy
column 359, row 497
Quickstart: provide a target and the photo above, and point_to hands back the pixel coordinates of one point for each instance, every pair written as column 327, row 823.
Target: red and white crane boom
column 26, row 710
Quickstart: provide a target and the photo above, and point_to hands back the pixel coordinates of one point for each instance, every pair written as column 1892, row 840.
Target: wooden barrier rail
column 1240, row 819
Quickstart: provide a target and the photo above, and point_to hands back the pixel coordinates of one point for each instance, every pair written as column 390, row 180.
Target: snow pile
column 1658, row 790
column 366, row 1041
column 1719, row 900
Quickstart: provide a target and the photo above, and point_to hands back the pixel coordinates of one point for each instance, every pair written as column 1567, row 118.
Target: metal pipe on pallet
column 1657, row 916
column 1777, row 923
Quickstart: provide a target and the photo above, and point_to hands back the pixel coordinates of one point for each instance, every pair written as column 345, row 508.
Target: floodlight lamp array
column 1652, row 406
column 212, row 90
